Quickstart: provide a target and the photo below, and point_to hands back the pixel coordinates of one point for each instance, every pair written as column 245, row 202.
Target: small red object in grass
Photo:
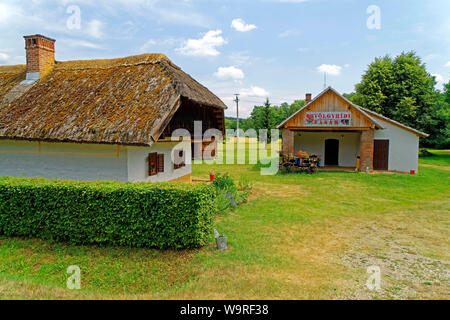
column 211, row 176
column 412, row 172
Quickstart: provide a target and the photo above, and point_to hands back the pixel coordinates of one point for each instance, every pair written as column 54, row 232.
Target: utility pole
column 237, row 119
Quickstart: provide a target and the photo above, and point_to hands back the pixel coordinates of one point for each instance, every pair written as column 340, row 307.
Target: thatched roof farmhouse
column 132, row 101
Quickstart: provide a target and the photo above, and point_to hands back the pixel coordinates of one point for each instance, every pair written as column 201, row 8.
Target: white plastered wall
column 314, row 142
column 88, row 162
column 138, row 162
column 403, row 147
column 66, row 161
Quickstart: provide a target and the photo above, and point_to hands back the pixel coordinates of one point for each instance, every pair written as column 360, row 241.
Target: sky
column 276, row 49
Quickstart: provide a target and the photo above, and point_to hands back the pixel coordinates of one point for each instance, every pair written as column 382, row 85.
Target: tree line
column 398, row 87
column 266, row 117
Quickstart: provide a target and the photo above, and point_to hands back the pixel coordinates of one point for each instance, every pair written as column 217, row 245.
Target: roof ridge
column 16, row 68
column 395, row 122
column 142, row 59
column 329, row 88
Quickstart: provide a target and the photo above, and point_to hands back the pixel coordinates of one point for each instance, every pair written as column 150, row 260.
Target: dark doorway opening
column 381, row 155
column 331, row 152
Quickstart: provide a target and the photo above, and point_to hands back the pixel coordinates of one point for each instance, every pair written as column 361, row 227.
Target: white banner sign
column 328, row 119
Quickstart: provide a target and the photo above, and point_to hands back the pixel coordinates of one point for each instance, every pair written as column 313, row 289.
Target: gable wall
column 329, row 102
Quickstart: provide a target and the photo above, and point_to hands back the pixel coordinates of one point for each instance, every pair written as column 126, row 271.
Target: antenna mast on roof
column 324, row 80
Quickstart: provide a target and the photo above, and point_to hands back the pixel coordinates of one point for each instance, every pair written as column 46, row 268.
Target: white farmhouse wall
column 138, row 162
column 314, row 142
column 67, row 161
column 403, row 147
column 87, row 162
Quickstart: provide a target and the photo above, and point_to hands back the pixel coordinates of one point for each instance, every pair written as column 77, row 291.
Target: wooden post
column 288, row 141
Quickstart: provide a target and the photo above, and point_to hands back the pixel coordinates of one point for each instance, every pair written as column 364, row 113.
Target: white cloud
column 229, row 73
column 241, row 26
column 8, row 59
column 3, row 57
column 94, row 29
column 439, row 78
column 80, row 43
column 302, row 50
column 254, row 91
column 205, row 46
column 8, row 12
column 447, row 64
column 330, row 69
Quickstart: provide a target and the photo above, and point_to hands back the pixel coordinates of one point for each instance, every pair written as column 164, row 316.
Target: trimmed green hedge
column 111, row 213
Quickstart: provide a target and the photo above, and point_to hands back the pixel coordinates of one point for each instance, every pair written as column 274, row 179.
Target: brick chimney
column 40, row 56
column 308, row 98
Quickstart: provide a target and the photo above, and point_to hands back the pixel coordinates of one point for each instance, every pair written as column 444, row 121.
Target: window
column 155, row 164
column 180, row 159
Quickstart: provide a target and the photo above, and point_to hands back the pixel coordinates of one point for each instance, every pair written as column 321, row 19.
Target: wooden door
column 381, row 155
column 331, row 152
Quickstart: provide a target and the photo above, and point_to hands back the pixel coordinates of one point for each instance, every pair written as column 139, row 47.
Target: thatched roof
column 117, row 101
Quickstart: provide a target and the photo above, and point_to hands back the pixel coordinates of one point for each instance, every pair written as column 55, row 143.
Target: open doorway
column 331, row 152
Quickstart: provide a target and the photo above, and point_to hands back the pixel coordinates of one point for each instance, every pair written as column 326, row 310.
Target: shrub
column 228, row 195
column 425, row 153
column 225, row 183
column 245, row 184
column 110, row 213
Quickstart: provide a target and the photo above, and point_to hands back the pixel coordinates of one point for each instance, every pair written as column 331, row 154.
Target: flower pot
column 221, row 243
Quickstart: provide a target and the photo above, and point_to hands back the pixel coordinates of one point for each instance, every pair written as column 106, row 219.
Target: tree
column 295, row 106
column 264, row 118
column 400, row 88
column 440, row 121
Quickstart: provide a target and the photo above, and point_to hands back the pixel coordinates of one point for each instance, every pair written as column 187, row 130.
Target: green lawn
column 299, row 237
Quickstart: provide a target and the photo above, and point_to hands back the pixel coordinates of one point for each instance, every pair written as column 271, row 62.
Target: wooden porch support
column 288, row 140
column 366, row 149
column 197, row 150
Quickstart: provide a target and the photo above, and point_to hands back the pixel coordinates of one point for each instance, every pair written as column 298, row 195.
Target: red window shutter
column 152, row 164
column 160, row 163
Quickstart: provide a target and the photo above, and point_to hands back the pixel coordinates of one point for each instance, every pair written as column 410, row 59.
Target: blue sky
column 258, row 48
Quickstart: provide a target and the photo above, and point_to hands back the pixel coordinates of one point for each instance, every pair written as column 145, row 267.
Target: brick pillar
column 288, row 141
column 366, row 149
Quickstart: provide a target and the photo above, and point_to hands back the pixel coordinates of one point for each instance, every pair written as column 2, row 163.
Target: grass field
column 299, row 237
